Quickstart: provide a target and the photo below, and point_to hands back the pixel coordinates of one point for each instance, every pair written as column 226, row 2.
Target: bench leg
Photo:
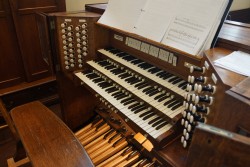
column 12, row 163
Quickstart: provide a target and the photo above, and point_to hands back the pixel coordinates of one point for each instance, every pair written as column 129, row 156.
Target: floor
column 7, row 143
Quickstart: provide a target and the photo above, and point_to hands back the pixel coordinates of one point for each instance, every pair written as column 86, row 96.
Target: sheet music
column 237, row 61
column 189, row 29
column 189, row 26
column 122, row 14
column 155, row 18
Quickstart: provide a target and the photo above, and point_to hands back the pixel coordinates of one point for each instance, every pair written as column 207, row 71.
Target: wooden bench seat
column 46, row 139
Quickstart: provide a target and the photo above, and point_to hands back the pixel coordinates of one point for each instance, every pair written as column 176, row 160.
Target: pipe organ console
column 141, row 101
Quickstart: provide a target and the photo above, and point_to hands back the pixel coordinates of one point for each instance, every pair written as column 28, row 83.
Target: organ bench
column 47, row 140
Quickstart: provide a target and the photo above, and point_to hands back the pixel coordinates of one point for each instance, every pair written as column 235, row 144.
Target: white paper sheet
column 122, row 14
column 237, row 61
column 155, row 18
column 187, row 25
column 189, row 29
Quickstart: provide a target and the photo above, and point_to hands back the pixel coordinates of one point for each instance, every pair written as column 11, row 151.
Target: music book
column 190, row 26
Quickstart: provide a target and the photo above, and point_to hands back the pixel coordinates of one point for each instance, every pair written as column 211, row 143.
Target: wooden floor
column 7, row 143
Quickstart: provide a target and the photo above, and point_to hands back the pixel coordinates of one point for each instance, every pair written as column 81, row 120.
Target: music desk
column 46, row 139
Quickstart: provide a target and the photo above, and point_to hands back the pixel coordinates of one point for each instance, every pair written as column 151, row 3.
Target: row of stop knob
column 74, row 56
column 198, row 98
column 195, row 105
column 199, row 88
column 70, row 27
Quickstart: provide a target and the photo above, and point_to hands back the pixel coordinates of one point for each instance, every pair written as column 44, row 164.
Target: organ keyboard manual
column 191, row 26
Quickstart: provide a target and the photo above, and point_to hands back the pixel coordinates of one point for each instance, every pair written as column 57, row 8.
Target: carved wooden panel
column 11, row 67
column 28, row 36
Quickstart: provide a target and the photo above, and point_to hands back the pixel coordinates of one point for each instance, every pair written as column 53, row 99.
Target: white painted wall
column 74, row 5
column 240, row 4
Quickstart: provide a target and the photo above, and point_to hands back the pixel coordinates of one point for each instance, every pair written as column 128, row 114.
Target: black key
column 115, row 51
column 154, row 70
column 105, row 85
column 182, row 84
column 136, row 107
column 148, row 116
column 150, row 91
column 122, row 54
column 161, row 73
column 147, row 89
column 173, row 103
column 129, row 58
column 164, row 75
column 153, row 120
column 130, row 79
column 97, row 80
column 110, row 67
column 140, row 109
column 173, row 79
column 159, row 96
column 133, row 105
column 145, row 66
column 146, row 113
column 177, row 81
column 125, row 75
column 128, row 102
column 135, row 81
column 153, row 93
column 117, row 71
column 88, row 72
column 167, row 76
column 169, row 101
column 121, row 97
column 163, row 98
column 157, row 123
column 116, row 93
column 92, row 76
column 143, row 86
column 103, row 63
column 110, row 90
column 125, row 100
column 109, row 48
column 177, row 106
column 161, row 125
column 137, row 61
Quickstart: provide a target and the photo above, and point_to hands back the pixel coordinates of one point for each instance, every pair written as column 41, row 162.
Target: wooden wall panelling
column 77, row 103
column 235, row 36
column 11, row 67
column 212, row 146
column 44, row 38
column 240, row 15
column 28, row 36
